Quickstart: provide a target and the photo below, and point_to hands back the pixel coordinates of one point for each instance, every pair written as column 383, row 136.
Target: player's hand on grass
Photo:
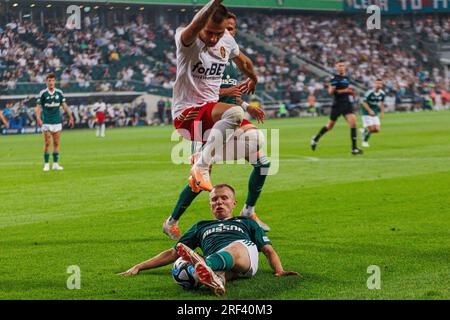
column 257, row 113
column 286, row 273
column 131, row 272
column 381, row 114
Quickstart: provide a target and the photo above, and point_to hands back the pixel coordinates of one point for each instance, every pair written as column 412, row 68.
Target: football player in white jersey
column 203, row 50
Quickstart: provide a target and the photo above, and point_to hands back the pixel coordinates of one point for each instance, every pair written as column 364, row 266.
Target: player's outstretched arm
column 199, row 21
column 162, row 259
column 69, row 114
column 245, row 65
column 275, row 262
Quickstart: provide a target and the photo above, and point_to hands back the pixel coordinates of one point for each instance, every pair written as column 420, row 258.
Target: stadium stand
column 139, row 56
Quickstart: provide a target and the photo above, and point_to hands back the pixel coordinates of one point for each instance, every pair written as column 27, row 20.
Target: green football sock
column 220, row 261
column 184, row 201
column 46, row 157
column 55, row 157
column 366, row 135
column 257, row 180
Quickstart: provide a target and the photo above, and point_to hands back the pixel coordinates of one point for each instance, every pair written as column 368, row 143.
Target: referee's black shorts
column 339, row 109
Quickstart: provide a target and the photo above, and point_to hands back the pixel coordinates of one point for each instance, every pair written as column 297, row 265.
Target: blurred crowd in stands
column 400, row 52
column 23, row 114
column 84, row 57
column 140, row 55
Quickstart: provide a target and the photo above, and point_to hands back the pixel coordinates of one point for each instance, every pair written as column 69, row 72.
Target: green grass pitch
column 332, row 214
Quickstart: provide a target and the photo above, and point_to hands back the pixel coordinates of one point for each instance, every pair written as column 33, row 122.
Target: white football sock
column 247, row 210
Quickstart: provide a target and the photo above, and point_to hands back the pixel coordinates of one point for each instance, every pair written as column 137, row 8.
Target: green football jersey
column 229, row 79
column 373, row 99
column 213, row 235
column 51, row 103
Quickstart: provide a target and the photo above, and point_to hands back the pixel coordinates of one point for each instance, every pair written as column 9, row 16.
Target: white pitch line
column 311, row 158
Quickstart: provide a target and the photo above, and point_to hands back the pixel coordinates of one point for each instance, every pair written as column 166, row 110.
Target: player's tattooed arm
column 275, row 262
column 199, row 21
column 369, row 110
column 3, row 119
column 162, row 259
column 69, row 114
column 246, row 66
column 38, row 115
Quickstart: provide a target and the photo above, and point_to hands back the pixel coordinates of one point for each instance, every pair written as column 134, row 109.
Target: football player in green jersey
column 48, row 117
column 372, row 109
column 230, row 92
column 229, row 244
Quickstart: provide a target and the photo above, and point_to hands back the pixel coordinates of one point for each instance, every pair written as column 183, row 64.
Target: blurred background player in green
column 48, row 115
column 230, row 92
column 372, row 109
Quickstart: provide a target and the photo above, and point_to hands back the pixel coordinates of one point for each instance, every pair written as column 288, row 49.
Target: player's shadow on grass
column 263, row 286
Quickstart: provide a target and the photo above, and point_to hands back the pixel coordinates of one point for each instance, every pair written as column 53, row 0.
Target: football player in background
column 48, row 116
column 372, row 109
column 342, row 105
column 100, row 116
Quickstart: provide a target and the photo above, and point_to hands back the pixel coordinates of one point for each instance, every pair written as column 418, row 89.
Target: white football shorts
column 370, row 121
column 53, row 128
column 254, row 258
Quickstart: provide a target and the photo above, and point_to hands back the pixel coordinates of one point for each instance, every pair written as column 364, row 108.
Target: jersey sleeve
column 39, row 99
column 333, row 81
column 179, row 44
column 367, row 95
column 63, row 98
column 190, row 238
column 258, row 235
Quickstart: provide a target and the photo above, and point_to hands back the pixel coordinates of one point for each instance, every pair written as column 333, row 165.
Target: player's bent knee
column 249, row 142
column 235, row 114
